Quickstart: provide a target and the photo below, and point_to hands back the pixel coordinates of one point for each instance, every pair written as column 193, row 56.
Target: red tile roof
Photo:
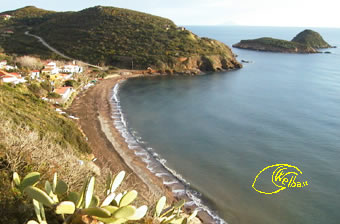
column 2, row 73
column 15, row 74
column 8, row 76
column 62, row 90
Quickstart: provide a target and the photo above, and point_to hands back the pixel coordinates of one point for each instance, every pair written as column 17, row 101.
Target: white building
column 64, row 92
column 72, row 69
column 6, row 17
column 3, row 64
column 35, row 74
column 50, row 68
column 13, row 79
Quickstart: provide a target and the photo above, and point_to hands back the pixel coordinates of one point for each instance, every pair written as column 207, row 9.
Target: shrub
column 71, row 83
column 53, row 95
column 36, row 89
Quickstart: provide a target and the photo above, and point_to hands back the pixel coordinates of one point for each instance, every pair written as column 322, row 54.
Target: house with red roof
column 50, row 68
column 6, row 17
column 3, row 73
column 14, row 78
column 65, row 93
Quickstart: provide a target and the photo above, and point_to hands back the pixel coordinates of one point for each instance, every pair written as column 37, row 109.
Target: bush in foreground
column 86, row 207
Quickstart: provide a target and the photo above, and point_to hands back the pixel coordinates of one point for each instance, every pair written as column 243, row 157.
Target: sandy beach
column 94, row 110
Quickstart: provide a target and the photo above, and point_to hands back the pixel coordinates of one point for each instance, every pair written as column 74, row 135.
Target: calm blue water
column 219, row 130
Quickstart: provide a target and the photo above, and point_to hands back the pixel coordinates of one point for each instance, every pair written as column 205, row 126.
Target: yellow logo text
column 283, row 176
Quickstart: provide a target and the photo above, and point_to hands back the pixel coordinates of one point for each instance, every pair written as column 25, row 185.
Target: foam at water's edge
column 154, row 162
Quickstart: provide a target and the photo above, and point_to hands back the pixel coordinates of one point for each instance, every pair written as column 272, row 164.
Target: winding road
column 41, row 40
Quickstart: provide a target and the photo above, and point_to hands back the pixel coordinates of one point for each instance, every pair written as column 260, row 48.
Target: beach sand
column 93, row 108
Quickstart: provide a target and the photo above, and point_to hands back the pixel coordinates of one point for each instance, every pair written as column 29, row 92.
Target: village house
column 8, row 32
column 35, row 74
column 50, row 69
column 64, row 92
column 181, row 28
column 3, row 64
column 6, row 17
column 14, row 78
column 72, row 68
column 51, row 65
column 66, row 76
column 60, row 76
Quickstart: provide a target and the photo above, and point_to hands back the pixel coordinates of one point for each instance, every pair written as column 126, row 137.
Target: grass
column 21, row 106
column 33, row 137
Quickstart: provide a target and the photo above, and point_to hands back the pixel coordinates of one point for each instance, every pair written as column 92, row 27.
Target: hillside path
column 41, row 40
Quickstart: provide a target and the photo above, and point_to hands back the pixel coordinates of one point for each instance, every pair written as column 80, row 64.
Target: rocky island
column 307, row 41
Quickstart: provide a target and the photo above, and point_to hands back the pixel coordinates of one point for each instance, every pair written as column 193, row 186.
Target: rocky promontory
column 307, row 41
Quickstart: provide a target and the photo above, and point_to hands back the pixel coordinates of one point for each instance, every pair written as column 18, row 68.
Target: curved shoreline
column 96, row 111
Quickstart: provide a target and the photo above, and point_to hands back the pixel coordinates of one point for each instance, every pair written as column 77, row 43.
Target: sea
column 209, row 136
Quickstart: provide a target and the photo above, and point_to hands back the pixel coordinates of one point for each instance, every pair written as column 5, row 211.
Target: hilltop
column 312, row 39
column 120, row 37
column 307, row 41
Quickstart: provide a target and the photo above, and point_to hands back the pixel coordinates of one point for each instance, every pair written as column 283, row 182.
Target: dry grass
column 22, row 147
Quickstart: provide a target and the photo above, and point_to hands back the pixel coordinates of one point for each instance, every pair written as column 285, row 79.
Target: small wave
column 153, row 160
column 178, row 192
column 170, row 182
column 162, row 174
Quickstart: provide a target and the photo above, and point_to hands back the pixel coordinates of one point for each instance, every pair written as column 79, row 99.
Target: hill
column 307, row 41
column 34, row 137
column 29, row 15
column 126, row 39
column 312, row 39
column 27, row 12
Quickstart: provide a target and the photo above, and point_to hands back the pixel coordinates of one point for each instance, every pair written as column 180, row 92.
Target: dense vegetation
column 18, row 43
column 22, row 107
column 267, row 41
column 111, row 36
column 29, row 15
column 311, row 39
column 33, row 137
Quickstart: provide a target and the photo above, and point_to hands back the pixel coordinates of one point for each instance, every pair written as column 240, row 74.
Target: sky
column 292, row 13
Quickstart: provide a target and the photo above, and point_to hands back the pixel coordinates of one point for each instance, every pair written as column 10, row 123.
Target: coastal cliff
column 307, row 41
column 121, row 38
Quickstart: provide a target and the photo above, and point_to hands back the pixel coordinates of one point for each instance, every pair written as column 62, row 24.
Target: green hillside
column 311, row 38
column 29, row 15
column 19, row 105
column 120, row 37
column 33, row 137
column 267, row 41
